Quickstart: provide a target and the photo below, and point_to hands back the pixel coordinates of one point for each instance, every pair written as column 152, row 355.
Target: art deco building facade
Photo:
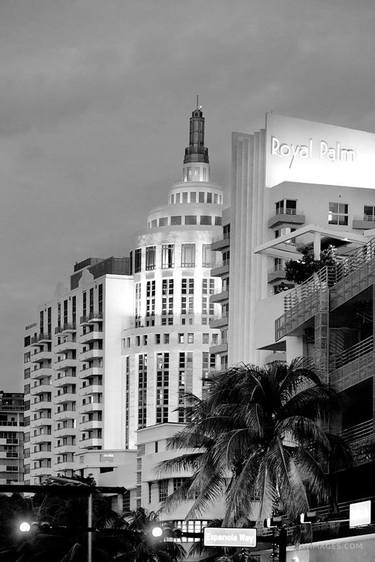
column 115, row 353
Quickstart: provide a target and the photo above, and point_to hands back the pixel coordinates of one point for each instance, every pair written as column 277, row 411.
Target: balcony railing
column 351, row 353
column 358, row 432
column 351, row 263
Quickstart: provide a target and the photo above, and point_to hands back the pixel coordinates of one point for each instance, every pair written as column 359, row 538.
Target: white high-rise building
column 115, row 353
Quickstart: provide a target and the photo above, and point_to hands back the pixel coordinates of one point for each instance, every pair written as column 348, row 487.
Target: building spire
column 196, row 151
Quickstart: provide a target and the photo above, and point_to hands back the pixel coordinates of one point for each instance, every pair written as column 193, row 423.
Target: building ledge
column 285, row 218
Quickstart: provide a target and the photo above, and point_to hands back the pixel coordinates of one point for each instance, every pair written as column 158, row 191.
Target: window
column 175, row 220
column 278, row 264
column 162, row 387
column 185, row 382
column 150, row 303
column 286, row 207
column 206, row 219
column 166, row 339
column 150, row 258
column 163, row 490
column 201, row 197
column 138, row 303
column 154, row 223
column 178, row 482
column 167, row 302
column 207, row 255
column 193, row 197
column 190, row 338
column 167, row 256
column 181, row 338
column 218, row 221
column 137, row 260
column 188, row 255
column 338, row 213
column 190, row 219
column 157, row 339
column 215, row 338
column 209, row 197
column 142, row 390
column 205, row 338
column 184, row 196
column 163, row 221
column 369, row 213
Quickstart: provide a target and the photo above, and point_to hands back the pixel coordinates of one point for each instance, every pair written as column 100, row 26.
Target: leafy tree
column 259, row 439
column 300, row 270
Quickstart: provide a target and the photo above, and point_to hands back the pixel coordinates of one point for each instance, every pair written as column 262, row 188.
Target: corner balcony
column 91, row 389
column 220, row 270
column 41, row 439
column 42, row 455
column 222, row 244
column 68, row 345
column 89, row 443
column 288, row 216
column 352, row 353
column 65, row 363
column 92, row 424
column 66, row 397
column 40, row 388
column 92, row 407
column 221, row 348
column 65, row 432
column 65, row 449
column 68, row 465
column 63, row 415
column 40, row 356
column 94, row 335
column 41, row 422
column 43, row 471
column 219, row 297
column 41, row 405
column 67, row 379
column 91, row 354
column 41, row 339
column 91, row 318
column 91, row 371
column 42, row 373
column 219, row 322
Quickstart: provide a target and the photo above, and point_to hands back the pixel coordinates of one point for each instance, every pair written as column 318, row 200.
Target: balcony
column 91, row 389
column 286, row 216
column 92, row 424
column 219, row 322
column 42, row 372
column 220, row 270
column 67, row 379
column 91, row 371
column 65, row 449
column 65, row 363
column 221, row 348
column 64, row 414
column 68, row 345
column 44, row 404
column 91, row 318
column 43, row 438
column 364, row 222
column 41, row 338
column 40, row 455
column 41, row 421
column 40, row 388
column 92, row 407
column 91, row 336
column 88, row 443
column 222, row 244
column 91, row 354
column 68, row 465
column 40, row 356
column 65, row 432
column 219, row 297
column 66, row 397
column 352, row 353
column 43, row 471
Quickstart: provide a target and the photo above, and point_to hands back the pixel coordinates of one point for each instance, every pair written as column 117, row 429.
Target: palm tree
column 259, row 439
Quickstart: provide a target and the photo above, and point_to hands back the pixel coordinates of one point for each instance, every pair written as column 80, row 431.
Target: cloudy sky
column 95, row 97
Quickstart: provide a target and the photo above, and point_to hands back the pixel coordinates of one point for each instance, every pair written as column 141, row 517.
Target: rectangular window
column 150, row 303
column 205, row 219
column 184, row 197
column 286, row 207
column 185, row 382
column 193, row 197
column 142, row 390
column 162, row 387
column 167, row 302
column 150, row 258
column 190, row 219
column 338, row 213
column 181, row 338
column 137, row 260
column 188, row 255
column 190, row 338
column 175, row 220
column 163, row 221
column 209, row 197
column 201, row 197
column 163, row 490
column 218, row 221
column 138, row 316
column 167, row 256
column 166, row 339
column 207, row 255
column 369, row 213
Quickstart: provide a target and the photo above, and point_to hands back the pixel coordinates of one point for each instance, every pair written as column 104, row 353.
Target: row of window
column 164, row 257
column 196, row 197
column 338, row 213
column 182, row 338
column 188, row 220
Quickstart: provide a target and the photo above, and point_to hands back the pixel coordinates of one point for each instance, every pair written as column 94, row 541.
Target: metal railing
column 360, row 431
column 351, row 263
column 351, row 353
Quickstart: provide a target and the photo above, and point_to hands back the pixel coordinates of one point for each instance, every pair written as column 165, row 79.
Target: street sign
column 219, row 536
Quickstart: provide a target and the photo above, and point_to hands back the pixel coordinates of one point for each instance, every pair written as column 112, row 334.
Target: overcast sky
column 95, row 97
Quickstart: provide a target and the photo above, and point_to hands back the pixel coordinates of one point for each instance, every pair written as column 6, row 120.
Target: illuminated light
column 25, row 527
column 157, row 532
column 360, row 514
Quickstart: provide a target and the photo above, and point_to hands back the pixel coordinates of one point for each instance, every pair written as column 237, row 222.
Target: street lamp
column 25, row 527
